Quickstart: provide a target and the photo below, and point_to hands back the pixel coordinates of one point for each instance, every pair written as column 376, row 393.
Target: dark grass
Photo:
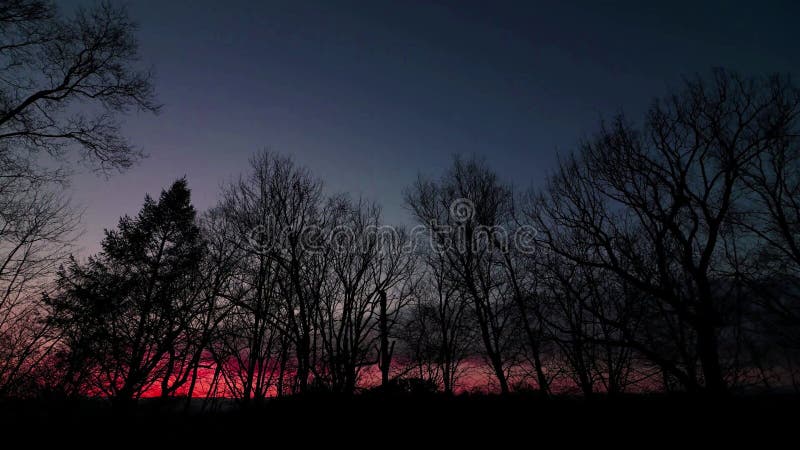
column 328, row 418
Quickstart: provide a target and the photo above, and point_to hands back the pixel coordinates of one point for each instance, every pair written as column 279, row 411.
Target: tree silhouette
column 124, row 312
column 659, row 255
column 466, row 240
column 369, row 285
column 49, row 63
column 655, row 206
column 37, row 226
column 438, row 329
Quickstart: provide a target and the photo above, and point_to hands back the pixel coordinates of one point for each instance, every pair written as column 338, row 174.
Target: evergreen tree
column 124, row 312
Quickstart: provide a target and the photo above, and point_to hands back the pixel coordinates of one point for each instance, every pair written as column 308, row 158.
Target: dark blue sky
column 369, row 94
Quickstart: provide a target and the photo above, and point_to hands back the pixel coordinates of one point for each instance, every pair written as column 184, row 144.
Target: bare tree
column 245, row 344
column 299, row 226
column 585, row 310
column 203, row 308
column 277, row 217
column 37, row 227
column 655, row 205
column 769, row 271
column 463, row 213
column 64, row 82
column 50, row 64
column 214, row 279
column 438, row 330
column 370, row 274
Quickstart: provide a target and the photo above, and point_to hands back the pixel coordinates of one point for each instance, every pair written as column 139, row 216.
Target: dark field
column 636, row 419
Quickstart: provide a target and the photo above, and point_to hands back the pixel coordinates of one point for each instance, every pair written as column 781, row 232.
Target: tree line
column 662, row 254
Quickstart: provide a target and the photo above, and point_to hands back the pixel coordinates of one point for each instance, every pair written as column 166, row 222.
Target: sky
column 370, row 94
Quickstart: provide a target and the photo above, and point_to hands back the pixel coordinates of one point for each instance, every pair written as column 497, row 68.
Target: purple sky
column 368, row 94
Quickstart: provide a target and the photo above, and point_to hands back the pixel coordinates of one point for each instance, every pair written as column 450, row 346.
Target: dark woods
column 662, row 255
column 50, row 66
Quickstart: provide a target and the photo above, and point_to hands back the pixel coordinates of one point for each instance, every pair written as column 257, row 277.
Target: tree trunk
column 707, row 345
column 497, row 365
column 385, row 360
column 303, row 363
column 708, row 353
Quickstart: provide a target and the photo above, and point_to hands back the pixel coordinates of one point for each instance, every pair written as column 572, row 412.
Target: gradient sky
column 369, row 94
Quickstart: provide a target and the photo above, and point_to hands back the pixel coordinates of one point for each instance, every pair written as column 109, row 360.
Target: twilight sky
column 369, row 94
